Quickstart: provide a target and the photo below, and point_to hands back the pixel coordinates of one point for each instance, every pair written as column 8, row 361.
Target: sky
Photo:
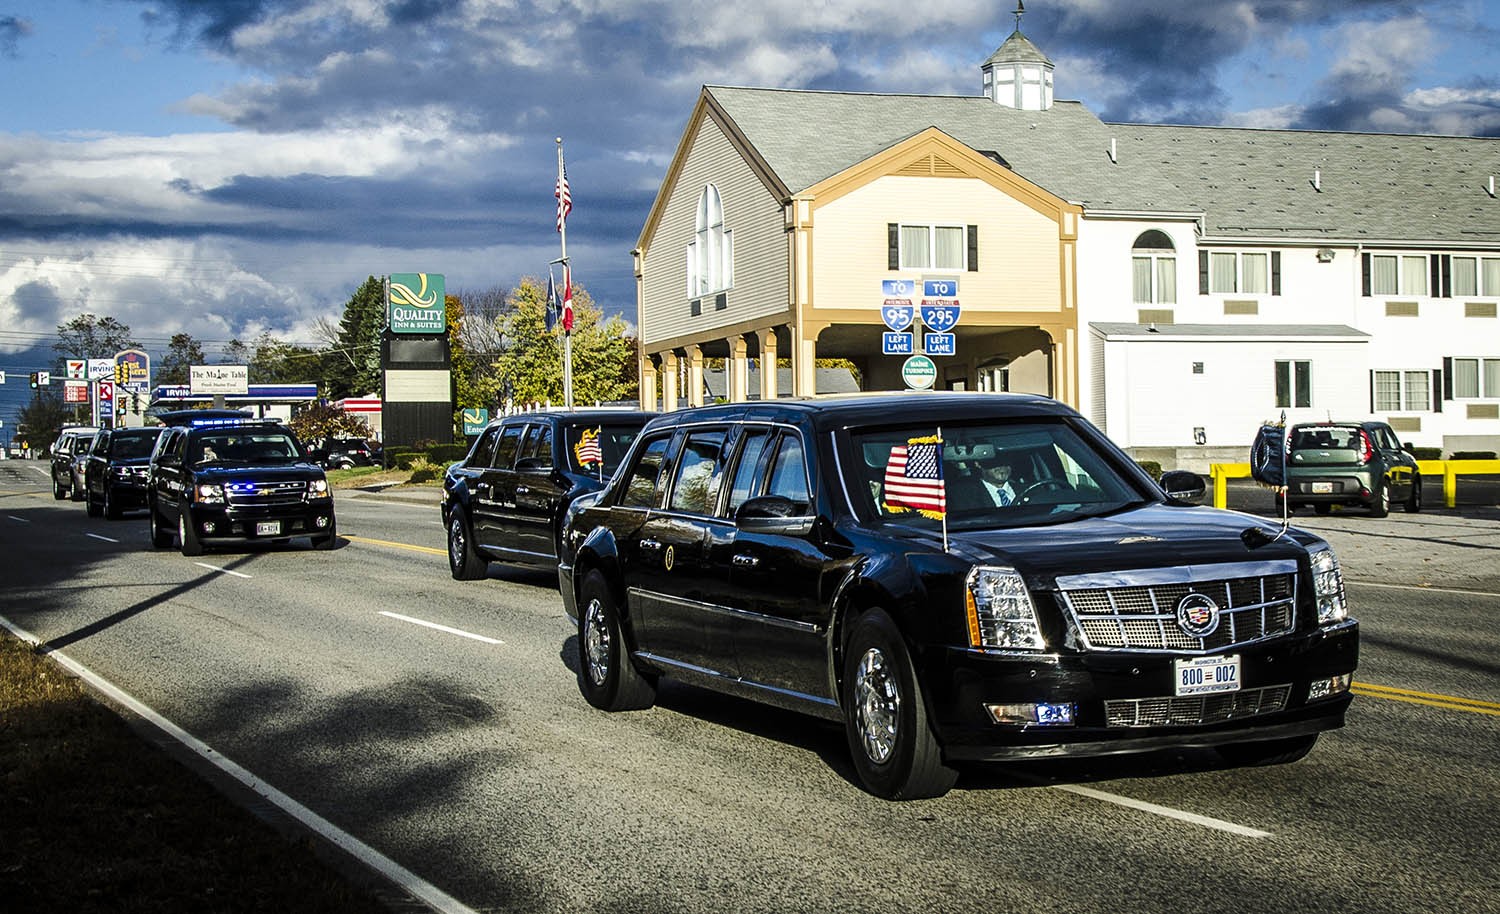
column 232, row 167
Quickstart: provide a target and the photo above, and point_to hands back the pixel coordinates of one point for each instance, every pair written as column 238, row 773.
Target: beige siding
column 751, row 213
column 1019, row 252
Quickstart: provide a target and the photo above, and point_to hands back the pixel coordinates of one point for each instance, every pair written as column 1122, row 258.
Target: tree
column 276, row 362
column 235, row 353
column 90, row 337
column 183, row 352
column 323, row 421
column 355, row 369
column 40, row 420
column 465, row 394
column 481, row 335
column 531, row 365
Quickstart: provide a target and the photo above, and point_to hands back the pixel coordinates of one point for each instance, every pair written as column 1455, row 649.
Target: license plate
column 268, row 528
column 1322, row 488
column 1206, row 675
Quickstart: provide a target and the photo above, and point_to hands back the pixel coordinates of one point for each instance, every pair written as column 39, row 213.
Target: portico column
column 695, row 376
column 804, row 359
column 670, row 381
column 767, row 364
column 648, row 382
column 738, row 370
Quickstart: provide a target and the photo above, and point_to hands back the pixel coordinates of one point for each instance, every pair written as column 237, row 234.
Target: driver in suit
column 994, row 473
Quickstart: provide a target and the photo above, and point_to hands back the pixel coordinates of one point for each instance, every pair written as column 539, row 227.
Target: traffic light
column 34, row 382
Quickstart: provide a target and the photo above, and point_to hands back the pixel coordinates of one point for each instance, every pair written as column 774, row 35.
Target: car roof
column 877, row 408
column 593, row 416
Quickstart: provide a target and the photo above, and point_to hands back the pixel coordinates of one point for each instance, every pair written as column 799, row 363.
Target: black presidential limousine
column 955, row 577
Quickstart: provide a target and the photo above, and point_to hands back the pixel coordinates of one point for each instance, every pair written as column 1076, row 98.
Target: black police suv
column 953, row 577
column 116, row 470
column 217, row 479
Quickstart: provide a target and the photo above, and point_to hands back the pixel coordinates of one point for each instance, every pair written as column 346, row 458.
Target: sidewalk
column 399, row 492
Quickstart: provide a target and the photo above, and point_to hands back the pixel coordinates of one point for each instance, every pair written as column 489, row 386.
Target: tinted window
column 640, row 488
column 614, row 442
column 747, row 472
column 125, row 446
column 539, row 444
column 789, row 471
column 700, row 470
column 505, row 452
column 484, row 450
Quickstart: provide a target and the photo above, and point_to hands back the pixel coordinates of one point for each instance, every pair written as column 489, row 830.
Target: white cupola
column 1018, row 75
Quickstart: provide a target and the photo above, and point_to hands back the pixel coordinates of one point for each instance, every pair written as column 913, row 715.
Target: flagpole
column 945, row 488
column 562, row 231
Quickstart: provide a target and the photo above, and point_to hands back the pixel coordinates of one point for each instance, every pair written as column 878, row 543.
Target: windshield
column 260, row 447
column 131, row 446
column 983, row 475
column 590, row 446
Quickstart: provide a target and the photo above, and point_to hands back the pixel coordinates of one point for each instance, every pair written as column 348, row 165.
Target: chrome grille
column 265, row 494
column 1137, row 610
column 1195, row 709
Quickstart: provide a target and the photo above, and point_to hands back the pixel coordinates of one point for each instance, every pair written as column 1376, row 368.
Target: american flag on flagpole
column 914, row 478
column 567, row 299
column 587, row 450
column 564, row 198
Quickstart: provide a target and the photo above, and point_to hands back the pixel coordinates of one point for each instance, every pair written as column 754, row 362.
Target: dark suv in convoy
column 116, row 470
column 217, row 479
column 504, row 502
column 1350, row 463
column 342, row 453
column 70, row 445
column 851, row 558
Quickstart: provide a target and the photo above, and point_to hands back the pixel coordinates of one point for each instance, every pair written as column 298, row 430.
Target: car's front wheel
column 606, row 675
column 90, row 506
column 111, row 504
column 187, row 535
column 463, row 561
column 58, row 492
column 885, row 716
column 161, row 535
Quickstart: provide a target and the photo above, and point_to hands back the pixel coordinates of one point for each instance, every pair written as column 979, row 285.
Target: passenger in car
column 994, row 473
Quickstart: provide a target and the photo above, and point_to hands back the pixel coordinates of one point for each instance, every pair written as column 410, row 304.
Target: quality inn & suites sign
column 416, row 304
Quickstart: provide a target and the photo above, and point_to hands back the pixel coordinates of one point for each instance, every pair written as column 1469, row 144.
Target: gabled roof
column 1245, row 183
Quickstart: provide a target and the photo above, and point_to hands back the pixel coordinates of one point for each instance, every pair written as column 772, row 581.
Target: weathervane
column 1020, row 11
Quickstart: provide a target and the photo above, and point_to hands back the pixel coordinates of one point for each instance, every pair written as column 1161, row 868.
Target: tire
column 1269, row 752
column 191, row 545
column 161, row 537
column 111, row 505
column 90, row 506
column 327, row 542
column 58, row 492
column 1380, row 500
column 1323, row 508
column 890, row 738
column 75, row 493
column 463, row 561
column 607, row 677
column 1413, row 503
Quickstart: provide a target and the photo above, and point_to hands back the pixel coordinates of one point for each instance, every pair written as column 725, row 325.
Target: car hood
column 259, row 472
column 1154, row 536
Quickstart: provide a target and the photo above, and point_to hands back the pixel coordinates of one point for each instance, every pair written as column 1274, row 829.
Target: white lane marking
column 222, row 570
column 105, row 538
column 1446, row 590
column 442, row 628
column 1167, row 811
column 46, row 473
column 367, row 855
column 19, row 520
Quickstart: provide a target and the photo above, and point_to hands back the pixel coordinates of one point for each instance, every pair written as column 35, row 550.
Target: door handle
column 522, row 490
column 745, row 561
column 650, row 545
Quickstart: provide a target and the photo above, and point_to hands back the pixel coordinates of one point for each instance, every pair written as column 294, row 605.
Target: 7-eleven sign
column 78, row 369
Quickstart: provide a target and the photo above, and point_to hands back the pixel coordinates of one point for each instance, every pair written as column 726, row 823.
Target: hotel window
column 1293, row 383
column 1474, row 379
column 932, row 247
column 1154, row 269
column 1476, row 276
column 710, row 255
column 1391, row 274
column 1224, row 272
column 1403, row 391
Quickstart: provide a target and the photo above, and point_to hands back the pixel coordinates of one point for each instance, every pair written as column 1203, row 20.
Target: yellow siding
column 751, row 213
column 1020, row 266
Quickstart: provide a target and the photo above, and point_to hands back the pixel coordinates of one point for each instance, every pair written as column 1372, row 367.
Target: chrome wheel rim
column 596, row 642
column 456, row 542
column 877, row 706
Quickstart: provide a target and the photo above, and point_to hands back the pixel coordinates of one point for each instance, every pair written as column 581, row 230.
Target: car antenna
column 1268, row 465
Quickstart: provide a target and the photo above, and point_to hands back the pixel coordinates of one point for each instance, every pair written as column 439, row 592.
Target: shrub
column 402, row 460
column 1153, row 467
column 422, row 471
column 447, row 453
column 1427, row 453
column 1473, row 455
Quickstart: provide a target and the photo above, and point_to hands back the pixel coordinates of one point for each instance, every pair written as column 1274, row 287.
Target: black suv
column 954, row 577
column 116, row 470
column 219, row 479
column 504, row 502
column 341, row 453
column 70, row 445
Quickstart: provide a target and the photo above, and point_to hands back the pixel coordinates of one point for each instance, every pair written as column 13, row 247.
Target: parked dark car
column 72, row 444
column 342, row 453
column 1361, row 464
column 116, row 470
column 217, row 479
column 504, row 502
column 847, row 558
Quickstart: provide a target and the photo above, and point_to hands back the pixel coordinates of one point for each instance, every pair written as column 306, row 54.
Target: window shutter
column 973, row 249
column 1447, row 378
column 1435, row 267
column 1372, row 391
column 1275, row 272
column 1365, row 271
column 1437, row 386
column 1202, row 272
column 1447, row 275
column 893, row 237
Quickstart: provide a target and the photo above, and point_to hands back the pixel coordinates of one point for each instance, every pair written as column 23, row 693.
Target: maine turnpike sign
column 934, row 321
column 416, row 303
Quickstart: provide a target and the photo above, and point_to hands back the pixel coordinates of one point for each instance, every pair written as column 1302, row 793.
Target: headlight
column 317, row 488
column 208, row 493
column 1328, row 587
column 1000, row 612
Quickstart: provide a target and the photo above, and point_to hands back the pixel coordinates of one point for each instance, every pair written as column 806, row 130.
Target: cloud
column 12, row 30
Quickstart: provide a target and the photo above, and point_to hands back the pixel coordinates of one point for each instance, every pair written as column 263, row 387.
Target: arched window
column 710, row 255
column 1154, row 265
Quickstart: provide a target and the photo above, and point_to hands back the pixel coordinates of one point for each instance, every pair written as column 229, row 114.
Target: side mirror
column 773, row 514
column 1183, row 486
column 168, row 460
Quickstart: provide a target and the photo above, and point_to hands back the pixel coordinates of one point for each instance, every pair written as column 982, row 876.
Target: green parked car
column 1350, row 463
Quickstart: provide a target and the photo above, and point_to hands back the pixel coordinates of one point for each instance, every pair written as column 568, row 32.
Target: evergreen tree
column 354, row 370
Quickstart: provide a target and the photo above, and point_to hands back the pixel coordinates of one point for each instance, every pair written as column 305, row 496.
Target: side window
column 101, row 444
column 789, row 471
column 748, row 471
column 539, row 445
column 640, row 489
column 700, row 470
column 505, row 451
column 485, row 451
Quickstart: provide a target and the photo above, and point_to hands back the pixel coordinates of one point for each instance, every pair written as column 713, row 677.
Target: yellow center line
column 373, row 542
column 1431, row 699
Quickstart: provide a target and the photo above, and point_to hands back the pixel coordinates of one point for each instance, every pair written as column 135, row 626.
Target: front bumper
column 1124, row 702
column 565, row 587
column 127, row 493
column 221, row 524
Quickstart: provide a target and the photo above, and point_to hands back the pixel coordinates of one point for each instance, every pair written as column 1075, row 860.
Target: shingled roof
column 1245, row 183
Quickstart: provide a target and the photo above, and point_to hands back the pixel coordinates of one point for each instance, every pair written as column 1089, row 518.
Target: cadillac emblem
column 1197, row 615
column 669, row 558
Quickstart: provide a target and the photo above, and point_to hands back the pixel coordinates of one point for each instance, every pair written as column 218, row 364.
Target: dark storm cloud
column 38, row 302
column 12, row 30
column 209, row 22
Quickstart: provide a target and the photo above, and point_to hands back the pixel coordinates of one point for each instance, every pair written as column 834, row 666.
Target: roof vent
column 1114, row 155
column 1317, row 181
column 1492, row 185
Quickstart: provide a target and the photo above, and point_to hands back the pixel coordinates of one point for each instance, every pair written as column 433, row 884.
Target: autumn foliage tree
column 531, row 366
